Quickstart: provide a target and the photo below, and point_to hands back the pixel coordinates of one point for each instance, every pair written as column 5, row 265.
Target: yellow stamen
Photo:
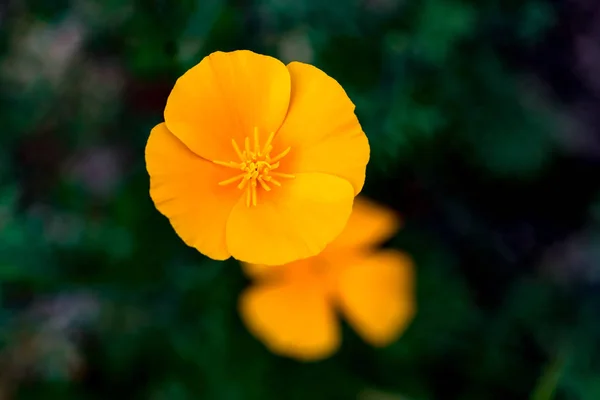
column 273, row 181
column 280, row 175
column 229, row 164
column 268, row 146
column 257, row 167
column 232, row 180
column 237, row 150
column 253, row 186
column 243, row 182
column 263, row 184
column 280, row 155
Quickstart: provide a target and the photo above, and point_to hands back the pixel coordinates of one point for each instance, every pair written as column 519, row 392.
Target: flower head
column 292, row 308
column 255, row 159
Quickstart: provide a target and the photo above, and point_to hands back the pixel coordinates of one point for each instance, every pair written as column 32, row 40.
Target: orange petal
column 184, row 188
column 292, row 222
column 322, row 129
column 370, row 224
column 259, row 271
column 223, row 98
column 291, row 319
column 377, row 297
column 304, row 269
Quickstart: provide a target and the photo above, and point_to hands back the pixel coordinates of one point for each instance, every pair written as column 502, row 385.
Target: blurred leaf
column 199, row 24
column 519, row 141
column 537, row 17
column 411, row 123
column 440, row 25
column 171, row 390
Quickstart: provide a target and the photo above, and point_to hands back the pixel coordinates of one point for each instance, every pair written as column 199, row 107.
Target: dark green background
column 471, row 111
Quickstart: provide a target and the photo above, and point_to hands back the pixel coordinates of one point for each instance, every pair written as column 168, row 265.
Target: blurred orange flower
column 292, row 307
column 257, row 160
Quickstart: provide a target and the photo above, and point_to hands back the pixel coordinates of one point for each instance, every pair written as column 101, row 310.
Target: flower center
column 257, row 165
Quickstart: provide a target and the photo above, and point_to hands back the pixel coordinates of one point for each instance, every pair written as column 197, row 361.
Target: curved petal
column 268, row 272
column 291, row 320
column 376, row 296
column 306, row 269
column 184, row 188
column 223, row 98
column 370, row 224
column 322, row 129
column 260, row 271
column 292, row 222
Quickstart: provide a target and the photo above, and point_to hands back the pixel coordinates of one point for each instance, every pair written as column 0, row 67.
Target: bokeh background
column 484, row 122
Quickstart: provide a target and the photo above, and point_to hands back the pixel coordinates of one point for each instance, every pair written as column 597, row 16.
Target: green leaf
column 440, row 25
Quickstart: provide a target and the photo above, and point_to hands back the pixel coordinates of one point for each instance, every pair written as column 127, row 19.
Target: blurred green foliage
column 449, row 117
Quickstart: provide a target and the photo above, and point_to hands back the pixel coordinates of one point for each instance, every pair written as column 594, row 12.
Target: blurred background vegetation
column 485, row 133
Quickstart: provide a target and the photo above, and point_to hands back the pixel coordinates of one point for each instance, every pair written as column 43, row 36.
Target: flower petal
column 292, row 222
column 258, row 271
column 295, row 271
column 184, row 188
column 370, row 224
column 376, row 296
column 223, row 98
column 322, row 129
column 291, row 319
column 262, row 271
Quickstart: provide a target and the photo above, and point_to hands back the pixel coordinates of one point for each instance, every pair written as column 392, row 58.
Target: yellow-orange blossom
column 292, row 308
column 257, row 160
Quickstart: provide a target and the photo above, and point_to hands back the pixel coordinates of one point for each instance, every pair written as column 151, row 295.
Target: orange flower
column 257, row 160
column 292, row 307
